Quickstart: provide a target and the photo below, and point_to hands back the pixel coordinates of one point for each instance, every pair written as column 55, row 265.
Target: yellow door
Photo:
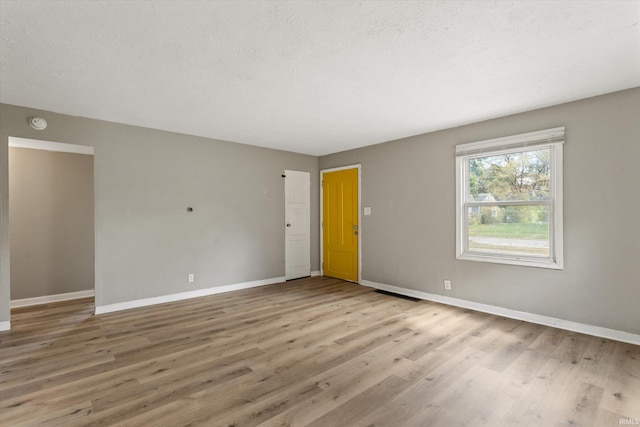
column 340, row 224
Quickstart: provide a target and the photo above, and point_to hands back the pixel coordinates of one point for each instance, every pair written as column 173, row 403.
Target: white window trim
column 552, row 138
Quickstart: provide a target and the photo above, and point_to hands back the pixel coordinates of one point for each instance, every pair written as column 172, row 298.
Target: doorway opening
column 51, row 222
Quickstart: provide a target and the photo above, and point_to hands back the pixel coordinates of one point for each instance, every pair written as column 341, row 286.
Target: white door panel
column 297, row 194
column 297, row 219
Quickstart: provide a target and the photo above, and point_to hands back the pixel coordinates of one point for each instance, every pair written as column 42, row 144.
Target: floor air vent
column 392, row 294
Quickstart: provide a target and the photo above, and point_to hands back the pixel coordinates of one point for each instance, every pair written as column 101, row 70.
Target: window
column 509, row 199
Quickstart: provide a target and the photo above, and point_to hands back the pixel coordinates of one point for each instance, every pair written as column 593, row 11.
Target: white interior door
column 297, row 199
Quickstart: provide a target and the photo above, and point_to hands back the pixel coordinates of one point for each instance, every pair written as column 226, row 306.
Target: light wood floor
column 315, row 351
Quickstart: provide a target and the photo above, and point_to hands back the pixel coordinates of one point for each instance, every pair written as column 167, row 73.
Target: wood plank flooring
column 316, row 351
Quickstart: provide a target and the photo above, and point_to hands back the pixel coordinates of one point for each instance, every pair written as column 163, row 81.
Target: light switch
column 367, row 211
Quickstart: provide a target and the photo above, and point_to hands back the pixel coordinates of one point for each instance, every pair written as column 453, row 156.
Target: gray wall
column 409, row 241
column 145, row 241
column 51, row 213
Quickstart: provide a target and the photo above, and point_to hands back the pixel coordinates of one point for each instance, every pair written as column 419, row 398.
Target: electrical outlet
column 447, row 285
column 191, row 278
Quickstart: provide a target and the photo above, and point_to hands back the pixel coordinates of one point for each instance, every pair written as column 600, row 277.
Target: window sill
column 523, row 262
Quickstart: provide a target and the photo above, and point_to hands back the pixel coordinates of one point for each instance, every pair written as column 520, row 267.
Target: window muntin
column 510, row 200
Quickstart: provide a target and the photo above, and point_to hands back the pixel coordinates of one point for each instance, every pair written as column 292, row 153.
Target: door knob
column 288, row 225
column 355, row 227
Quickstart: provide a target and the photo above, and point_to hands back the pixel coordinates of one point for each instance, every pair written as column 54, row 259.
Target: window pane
column 523, row 175
column 509, row 230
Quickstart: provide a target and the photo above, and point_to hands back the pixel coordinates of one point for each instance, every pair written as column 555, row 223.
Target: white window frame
column 549, row 138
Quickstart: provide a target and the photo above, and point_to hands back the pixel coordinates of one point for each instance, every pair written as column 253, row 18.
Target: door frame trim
column 360, row 227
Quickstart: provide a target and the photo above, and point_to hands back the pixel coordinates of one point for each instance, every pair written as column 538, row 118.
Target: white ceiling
column 312, row 77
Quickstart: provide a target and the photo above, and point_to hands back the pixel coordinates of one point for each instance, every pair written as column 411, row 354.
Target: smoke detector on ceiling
column 38, row 123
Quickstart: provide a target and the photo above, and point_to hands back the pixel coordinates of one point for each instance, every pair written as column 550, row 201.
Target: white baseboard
column 5, row 326
column 101, row 309
column 568, row 325
column 46, row 299
column 315, row 273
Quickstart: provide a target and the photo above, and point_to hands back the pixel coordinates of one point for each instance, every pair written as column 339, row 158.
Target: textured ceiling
column 312, row 77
